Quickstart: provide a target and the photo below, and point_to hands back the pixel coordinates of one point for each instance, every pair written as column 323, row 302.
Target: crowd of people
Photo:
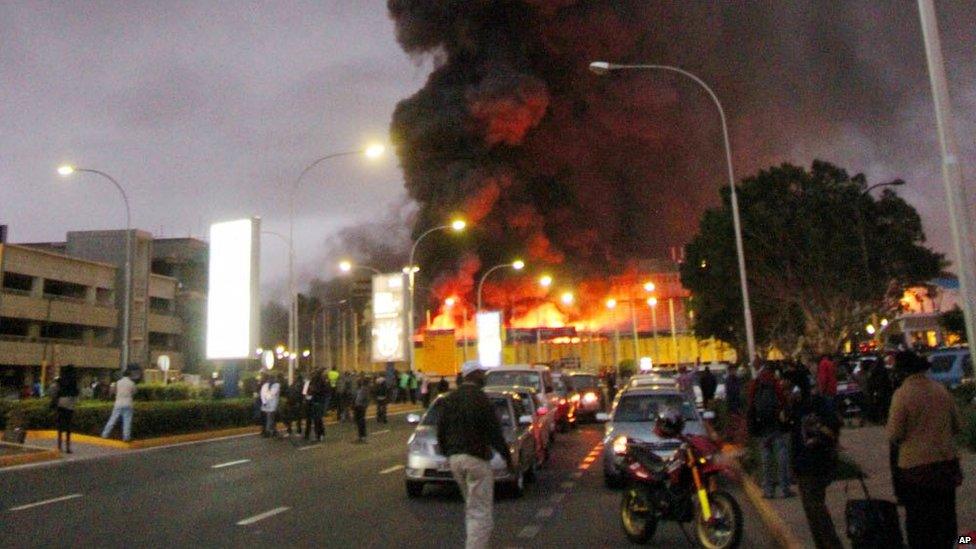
column 348, row 394
column 792, row 411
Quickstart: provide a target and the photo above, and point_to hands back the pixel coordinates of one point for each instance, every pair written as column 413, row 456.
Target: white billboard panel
column 489, row 338
column 232, row 297
column 389, row 328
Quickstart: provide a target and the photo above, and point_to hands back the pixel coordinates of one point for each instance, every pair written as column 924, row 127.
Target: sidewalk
column 869, row 448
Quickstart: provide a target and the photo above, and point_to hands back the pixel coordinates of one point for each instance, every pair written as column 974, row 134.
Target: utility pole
column 959, row 221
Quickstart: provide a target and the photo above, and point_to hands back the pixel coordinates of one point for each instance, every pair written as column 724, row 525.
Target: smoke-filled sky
column 556, row 164
column 208, row 110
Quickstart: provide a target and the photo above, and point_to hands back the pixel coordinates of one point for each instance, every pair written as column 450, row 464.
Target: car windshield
column 500, row 406
column 637, row 408
column 584, row 382
column 511, row 378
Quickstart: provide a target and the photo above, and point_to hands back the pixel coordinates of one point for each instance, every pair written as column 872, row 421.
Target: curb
column 774, row 523
column 42, row 454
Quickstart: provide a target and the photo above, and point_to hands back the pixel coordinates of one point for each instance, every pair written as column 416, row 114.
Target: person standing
column 827, row 379
column 125, row 390
column 359, row 403
column 766, row 418
column 321, row 391
column 467, row 431
column 412, row 384
column 270, row 393
column 64, row 397
column 424, row 390
column 403, row 387
column 443, row 386
column 708, row 385
column 294, row 404
column 685, row 380
column 382, row 395
column 923, row 422
column 815, row 432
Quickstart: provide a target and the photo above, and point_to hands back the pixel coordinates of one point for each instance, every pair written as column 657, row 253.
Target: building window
column 17, row 282
column 104, row 296
column 160, row 305
column 60, row 289
column 69, row 332
column 14, row 327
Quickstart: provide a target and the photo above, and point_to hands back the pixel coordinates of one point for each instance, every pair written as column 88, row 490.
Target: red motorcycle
column 682, row 488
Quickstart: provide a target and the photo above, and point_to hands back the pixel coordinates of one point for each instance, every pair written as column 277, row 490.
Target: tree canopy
column 822, row 256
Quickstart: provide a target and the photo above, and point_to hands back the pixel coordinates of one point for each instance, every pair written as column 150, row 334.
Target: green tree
column 822, row 256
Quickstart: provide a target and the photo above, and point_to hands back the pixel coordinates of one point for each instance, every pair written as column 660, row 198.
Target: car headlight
column 590, row 398
column 620, row 445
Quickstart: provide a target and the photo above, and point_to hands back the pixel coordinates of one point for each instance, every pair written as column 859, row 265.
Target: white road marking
column 45, row 502
column 391, row 469
column 381, row 432
column 229, row 464
column 529, row 531
column 568, row 485
column 544, row 513
column 310, row 446
column 262, row 516
column 557, row 498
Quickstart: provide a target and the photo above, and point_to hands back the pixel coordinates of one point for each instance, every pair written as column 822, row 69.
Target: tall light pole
column 652, row 302
column 603, row 67
column 545, row 281
column 67, row 170
column 612, row 305
column 372, row 151
column 518, row 265
column 959, row 221
column 457, row 226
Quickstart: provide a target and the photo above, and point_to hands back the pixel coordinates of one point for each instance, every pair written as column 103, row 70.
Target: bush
column 173, row 391
column 150, row 419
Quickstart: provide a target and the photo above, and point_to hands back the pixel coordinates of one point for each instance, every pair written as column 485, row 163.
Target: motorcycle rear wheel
column 725, row 529
column 636, row 518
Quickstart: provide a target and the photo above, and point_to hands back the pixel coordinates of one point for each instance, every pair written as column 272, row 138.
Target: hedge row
column 173, row 391
column 150, row 419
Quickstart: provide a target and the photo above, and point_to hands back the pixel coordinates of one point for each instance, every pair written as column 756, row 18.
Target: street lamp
column 518, row 265
column 567, row 298
column 347, row 266
column 67, row 170
column 603, row 67
column 458, row 225
column 372, row 151
column 545, row 281
column 652, row 302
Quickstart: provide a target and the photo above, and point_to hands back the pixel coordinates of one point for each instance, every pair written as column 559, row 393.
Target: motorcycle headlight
column 620, row 445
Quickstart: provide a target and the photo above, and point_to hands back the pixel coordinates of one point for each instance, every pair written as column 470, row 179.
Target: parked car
column 532, row 405
column 426, row 464
column 592, row 393
column 652, row 380
column 951, row 367
column 568, row 401
column 634, row 415
column 535, row 376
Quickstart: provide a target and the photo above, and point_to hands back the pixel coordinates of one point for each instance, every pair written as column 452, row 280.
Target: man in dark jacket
column 467, row 431
column 382, row 395
column 708, row 384
column 815, row 432
column 766, row 417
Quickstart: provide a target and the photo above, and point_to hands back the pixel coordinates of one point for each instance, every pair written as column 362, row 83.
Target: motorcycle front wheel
column 638, row 522
column 724, row 530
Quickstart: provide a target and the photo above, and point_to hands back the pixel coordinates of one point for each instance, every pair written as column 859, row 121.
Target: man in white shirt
column 125, row 389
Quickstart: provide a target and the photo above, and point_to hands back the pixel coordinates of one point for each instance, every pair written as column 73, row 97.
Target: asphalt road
column 254, row 492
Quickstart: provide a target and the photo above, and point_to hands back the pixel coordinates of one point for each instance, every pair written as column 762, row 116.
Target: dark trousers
column 930, row 518
column 64, row 417
column 381, row 410
column 425, row 399
column 813, row 493
column 359, row 412
column 309, row 417
column 413, row 396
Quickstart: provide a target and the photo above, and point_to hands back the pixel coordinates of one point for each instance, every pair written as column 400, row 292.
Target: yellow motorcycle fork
column 702, row 492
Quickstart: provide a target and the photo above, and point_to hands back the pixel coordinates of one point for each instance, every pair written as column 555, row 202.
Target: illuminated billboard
column 389, row 326
column 489, row 339
column 233, row 306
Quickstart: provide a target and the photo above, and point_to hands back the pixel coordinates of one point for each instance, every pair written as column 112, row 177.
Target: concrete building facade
column 62, row 303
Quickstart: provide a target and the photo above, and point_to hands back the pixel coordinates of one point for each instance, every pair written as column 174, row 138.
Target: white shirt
column 269, row 396
column 125, row 389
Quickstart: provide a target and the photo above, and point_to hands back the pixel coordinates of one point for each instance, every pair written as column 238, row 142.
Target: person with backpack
column 766, row 418
column 815, row 432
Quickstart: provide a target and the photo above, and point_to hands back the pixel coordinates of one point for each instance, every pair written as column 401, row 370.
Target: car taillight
column 562, row 401
column 575, row 398
column 542, row 411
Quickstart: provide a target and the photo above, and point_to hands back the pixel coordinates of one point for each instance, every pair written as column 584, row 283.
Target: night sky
column 207, row 111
